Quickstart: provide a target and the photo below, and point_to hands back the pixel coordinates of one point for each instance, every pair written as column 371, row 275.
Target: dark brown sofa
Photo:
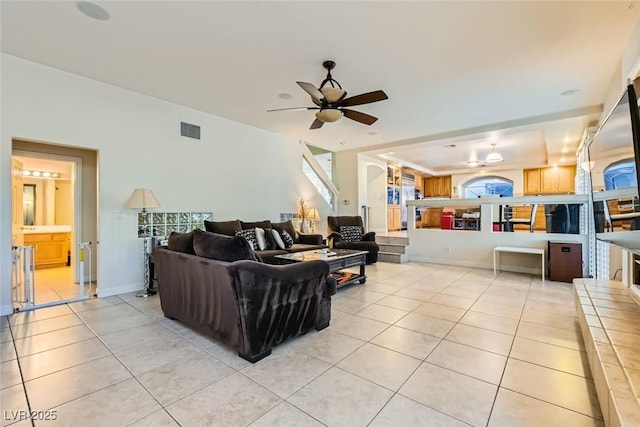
column 243, row 303
column 301, row 241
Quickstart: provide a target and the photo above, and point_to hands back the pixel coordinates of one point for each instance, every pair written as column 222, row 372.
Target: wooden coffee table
column 338, row 260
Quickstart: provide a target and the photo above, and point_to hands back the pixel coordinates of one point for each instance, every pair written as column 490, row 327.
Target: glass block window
column 161, row 224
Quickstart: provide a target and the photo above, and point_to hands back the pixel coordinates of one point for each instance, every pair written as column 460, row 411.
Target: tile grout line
column 24, row 386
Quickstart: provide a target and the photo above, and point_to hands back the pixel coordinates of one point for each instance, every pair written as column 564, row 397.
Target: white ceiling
column 469, row 73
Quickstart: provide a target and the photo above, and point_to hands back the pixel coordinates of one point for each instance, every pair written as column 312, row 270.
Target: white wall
column 346, row 176
column 234, row 171
column 372, row 189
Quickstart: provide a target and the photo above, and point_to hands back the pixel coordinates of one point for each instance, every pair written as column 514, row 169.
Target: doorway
column 55, row 221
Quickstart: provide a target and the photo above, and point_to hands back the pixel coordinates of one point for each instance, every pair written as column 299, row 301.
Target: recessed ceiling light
column 372, row 133
column 450, row 146
column 36, row 173
column 565, row 150
column 26, row 173
column 342, row 142
column 92, row 10
column 285, row 95
column 570, row 92
column 563, row 159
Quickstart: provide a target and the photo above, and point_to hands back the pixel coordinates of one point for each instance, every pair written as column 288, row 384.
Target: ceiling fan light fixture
column 493, row 156
column 329, row 115
column 332, row 94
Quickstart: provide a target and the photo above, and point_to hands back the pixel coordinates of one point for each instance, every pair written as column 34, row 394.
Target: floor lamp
column 143, row 198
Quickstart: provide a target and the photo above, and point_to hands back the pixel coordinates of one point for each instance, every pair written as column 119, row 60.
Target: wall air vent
column 189, row 130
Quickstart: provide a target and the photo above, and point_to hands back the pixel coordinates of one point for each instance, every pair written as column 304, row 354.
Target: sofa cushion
column 249, row 225
column 250, row 235
column 228, row 228
column 351, row 233
column 181, row 242
column 285, row 226
column 221, row 247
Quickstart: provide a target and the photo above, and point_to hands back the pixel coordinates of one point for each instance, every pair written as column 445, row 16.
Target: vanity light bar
column 41, row 174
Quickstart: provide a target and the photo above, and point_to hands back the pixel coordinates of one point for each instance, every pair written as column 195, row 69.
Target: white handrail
column 524, row 200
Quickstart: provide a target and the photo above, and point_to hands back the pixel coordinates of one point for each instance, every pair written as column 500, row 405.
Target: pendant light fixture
column 493, row 156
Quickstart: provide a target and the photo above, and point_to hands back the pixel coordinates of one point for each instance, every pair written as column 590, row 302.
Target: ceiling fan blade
column 358, row 116
column 311, row 90
column 294, row 108
column 317, row 124
column 365, row 98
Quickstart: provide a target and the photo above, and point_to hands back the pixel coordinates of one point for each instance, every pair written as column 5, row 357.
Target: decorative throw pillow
column 221, row 247
column 287, row 239
column 250, row 235
column 268, row 236
column 261, row 238
column 351, row 233
column 277, row 239
column 286, row 226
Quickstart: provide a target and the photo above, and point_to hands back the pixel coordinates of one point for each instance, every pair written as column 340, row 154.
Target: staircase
column 393, row 249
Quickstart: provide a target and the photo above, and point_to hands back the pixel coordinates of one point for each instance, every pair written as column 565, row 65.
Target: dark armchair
column 347, row 232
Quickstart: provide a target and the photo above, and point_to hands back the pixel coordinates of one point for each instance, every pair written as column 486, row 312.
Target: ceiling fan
column 331, row 101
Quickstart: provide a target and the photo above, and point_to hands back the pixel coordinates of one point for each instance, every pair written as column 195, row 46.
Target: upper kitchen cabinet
column 553, row 180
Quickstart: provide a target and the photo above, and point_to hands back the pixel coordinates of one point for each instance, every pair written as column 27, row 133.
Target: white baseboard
column 107, row 292
column 463, row 263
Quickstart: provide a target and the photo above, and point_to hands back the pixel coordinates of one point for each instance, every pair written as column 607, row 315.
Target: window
column 488, row 185
column 620, row 174
column 317, row 182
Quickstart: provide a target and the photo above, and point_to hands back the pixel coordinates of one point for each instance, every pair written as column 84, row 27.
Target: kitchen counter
column 46, row 229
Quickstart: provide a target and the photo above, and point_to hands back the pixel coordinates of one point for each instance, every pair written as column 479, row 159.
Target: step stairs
column 393, row 249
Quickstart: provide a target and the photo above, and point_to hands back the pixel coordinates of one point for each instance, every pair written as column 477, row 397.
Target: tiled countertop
column 610, row 322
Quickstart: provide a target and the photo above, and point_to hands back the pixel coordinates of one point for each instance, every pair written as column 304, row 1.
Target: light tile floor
column 418, row 344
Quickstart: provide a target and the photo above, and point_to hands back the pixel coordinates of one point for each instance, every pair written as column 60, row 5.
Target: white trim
column 76, row 179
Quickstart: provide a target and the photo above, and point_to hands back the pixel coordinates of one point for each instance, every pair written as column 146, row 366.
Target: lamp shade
column 332, row 94
column 329, row 115
column 314, row 215
column 142, row 198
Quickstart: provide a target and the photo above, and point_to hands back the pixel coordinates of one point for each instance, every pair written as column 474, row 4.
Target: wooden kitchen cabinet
column 530, row 181
column 50, row 249
column 553, row 180
column 431, row 217
column 524, row 212
column 393, row 218
column 437, row 186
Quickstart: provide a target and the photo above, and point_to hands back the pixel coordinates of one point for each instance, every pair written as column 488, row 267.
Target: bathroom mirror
column 29, row 204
